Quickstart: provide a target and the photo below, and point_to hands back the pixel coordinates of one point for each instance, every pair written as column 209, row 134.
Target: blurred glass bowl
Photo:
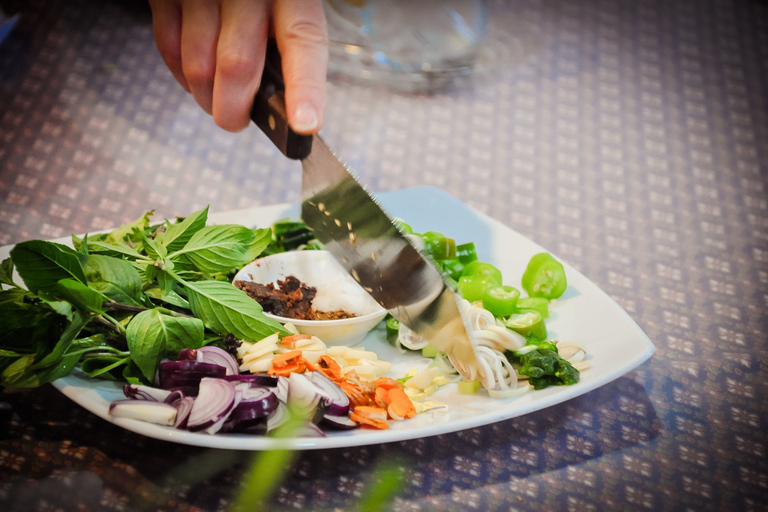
column 336, row 290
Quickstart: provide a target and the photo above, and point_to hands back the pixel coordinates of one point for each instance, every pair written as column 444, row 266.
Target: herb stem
column 124, row 307
column 114, row 322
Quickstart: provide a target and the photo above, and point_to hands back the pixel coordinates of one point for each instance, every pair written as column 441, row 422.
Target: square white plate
column 615, row 343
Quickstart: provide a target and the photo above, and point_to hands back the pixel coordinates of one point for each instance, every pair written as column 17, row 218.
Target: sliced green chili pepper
column 429, row 351
column 393, row 328
column 544, row 277
column 501, row 300
column 473, row 288
column 481, row 268
column 538, row 304
column 441, row 248
column 466, row 252
column 453, row 267
column 526, row 323
column 404, row 228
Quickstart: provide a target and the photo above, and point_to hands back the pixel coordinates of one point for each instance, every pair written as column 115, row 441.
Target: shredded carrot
column 370, row 416
column 288, row 341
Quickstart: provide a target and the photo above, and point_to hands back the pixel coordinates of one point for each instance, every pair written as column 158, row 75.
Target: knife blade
column 362, row 237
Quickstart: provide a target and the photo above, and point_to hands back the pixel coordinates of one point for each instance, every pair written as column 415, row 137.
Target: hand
column 215, row 49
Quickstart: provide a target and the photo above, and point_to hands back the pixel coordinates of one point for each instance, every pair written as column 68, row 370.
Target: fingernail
column 305, row 118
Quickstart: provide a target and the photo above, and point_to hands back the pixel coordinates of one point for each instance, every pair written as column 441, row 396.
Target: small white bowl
column 336, row 290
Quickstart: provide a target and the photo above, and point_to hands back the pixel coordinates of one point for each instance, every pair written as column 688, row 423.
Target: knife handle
column 268, row 111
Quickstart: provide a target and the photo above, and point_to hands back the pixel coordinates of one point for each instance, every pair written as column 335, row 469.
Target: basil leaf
column 61, row 307
column 151, row 335
column 24, row 328
column 83, row 247
column 172, row 297
column 111, row 249
column 146, row 341
column 13, row 295
column 176, row 236
column 182, row 332
column 132, row 232
column 43, row 264
column 219, row 248
column 6, row 272
column 115, row 278
column 132, row 374
column 80, row 296
column 261, row 240
column 154, row 250
column 20, row 374
column 79, row 320
column 226, row 309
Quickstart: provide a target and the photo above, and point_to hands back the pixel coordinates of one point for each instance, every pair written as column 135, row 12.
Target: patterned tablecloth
column 628, row 137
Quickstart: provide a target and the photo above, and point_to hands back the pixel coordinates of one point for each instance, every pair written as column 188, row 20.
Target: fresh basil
column 220, row 248
column 151, row 335
column 176, row 236
column 42, row 265
column 6, row 272
column 115, row 278
column 226, row 309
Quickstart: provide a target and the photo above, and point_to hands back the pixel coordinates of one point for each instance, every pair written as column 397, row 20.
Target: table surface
column 629, row 137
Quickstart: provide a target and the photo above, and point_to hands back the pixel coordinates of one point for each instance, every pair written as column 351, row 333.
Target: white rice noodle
column 497, row 337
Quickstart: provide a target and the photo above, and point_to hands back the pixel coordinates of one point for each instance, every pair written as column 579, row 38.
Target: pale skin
column 215, row 50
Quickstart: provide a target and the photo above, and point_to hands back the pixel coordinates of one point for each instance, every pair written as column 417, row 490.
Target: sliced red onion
column 144, row 410
column 338, row 422
column 309, row 430
column 256, row 403
column 142, row 392
column 186, row 375
column 303, row 395
column 281, row 390
column 219, row 356
column 335, row 398
column 184, row 407
column 256, row 426
column 188, row 354
column 278, row 417
column 220, row 424
column 213, row 404
column 174, row 397
column 259, row 379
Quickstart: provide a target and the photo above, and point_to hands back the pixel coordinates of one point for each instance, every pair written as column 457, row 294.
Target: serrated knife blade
column 362, row 237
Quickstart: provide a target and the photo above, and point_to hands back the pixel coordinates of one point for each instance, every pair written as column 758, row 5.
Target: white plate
column 615, row 343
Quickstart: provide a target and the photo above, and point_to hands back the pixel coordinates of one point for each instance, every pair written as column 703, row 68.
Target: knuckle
column 307, row 31
column 198, row 72
column 234, row 64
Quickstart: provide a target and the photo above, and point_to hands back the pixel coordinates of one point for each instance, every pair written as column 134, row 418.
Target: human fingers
column 166, row 23
column 199, row 36
column 302, row 38
column 239, row 61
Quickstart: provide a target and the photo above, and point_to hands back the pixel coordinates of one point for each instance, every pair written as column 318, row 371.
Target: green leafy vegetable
column 543, row 365
column 226, row 309
column 122, row 300
column 43, row 264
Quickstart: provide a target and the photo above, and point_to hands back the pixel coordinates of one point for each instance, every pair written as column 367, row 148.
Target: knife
column 361, row 236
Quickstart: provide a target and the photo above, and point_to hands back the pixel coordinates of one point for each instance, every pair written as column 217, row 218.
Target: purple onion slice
column 184, row 407
column 338, row 422
column 221, row 357
column 335, row 398
column 186, row 375
column 258, row 379
column 142, row 392
column 144, row 410
column 213, row 404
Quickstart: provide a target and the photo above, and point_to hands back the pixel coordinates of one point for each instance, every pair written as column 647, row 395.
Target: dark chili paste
column 291, row 299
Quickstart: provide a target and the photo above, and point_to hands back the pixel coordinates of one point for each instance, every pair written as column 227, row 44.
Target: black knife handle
column 268, row 110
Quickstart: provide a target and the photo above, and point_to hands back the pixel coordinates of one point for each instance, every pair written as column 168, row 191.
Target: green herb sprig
column 119, row 302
